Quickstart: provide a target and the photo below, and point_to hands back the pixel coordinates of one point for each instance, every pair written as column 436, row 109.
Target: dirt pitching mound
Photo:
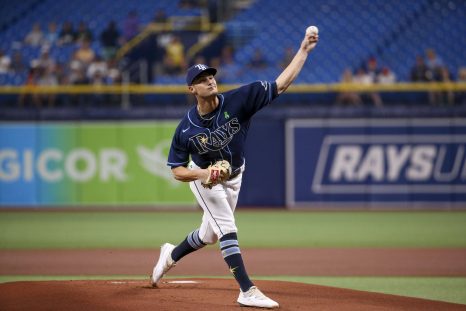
column 195, row 294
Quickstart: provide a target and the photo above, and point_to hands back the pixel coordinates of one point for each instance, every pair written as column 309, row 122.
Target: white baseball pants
column 219, row 205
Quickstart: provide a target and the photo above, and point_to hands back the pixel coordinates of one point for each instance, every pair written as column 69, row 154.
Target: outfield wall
column 376, row 162
column 323, row 162
column 88, row 164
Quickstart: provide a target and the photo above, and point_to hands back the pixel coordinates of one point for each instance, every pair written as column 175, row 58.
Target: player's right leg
column 171, row 254
column 164, row 264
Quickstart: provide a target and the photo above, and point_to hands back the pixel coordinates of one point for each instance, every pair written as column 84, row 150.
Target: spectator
column 17, row 64
column 52, row 35
column 347, row 96
column 174, row 60
column 131, row 26
column 35, row 36
column 98, row 68
column 76, row 72
column 61, row 74
column 187, row 4
column 31, row 82
column 77, row 76
column 113, row 73
column 160, row 17
column 231, row 71
column 365, row 79
column 447, row 96
column 435, row 74
column 372, row 69
column 5, row 62
column 44, row 61
column 75, row 64
column 420, row 72
column 47, row 77
column 109, row 39
column 258, row 61
column 67, row 34
column 85, row 54
column 462, row 75
column 84, row 33
column 434, row 64
column 386, row 76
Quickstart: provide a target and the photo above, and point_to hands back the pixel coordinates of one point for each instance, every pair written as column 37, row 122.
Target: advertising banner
column 377, row 162
column 88, row 163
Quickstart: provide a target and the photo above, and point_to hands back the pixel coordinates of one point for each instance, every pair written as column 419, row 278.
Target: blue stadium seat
column 351, row 31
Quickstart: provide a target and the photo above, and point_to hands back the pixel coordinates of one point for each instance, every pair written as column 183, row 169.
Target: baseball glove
column 219, row 172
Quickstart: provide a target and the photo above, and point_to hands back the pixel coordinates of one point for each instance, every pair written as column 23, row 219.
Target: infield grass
column 86, row 229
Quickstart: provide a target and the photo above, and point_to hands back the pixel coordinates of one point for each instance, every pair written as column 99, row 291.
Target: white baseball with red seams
column 312, row 30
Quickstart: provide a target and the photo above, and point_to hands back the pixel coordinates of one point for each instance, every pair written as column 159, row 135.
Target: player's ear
column 191, row 89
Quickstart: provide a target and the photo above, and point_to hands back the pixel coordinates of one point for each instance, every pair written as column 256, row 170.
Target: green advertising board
column 89, row 163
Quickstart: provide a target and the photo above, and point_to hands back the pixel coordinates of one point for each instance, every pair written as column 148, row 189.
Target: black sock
column 232, row 256
column 190, row 244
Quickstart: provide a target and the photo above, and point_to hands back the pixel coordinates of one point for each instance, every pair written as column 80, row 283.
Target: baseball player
column 215, row 129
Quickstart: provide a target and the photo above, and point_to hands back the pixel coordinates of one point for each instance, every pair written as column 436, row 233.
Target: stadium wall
column 300, row 157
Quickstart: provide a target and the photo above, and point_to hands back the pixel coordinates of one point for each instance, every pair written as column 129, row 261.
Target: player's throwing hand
column 310, row 39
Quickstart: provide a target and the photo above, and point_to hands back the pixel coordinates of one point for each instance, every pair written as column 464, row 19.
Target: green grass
column 450, row 289
column 67, row 230
column 434, row 288
column 87, row 229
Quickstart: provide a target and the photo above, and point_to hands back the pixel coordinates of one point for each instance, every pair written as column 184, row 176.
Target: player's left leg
column 249, row 295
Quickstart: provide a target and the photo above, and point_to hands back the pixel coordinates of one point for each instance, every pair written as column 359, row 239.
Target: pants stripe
column 220, row 229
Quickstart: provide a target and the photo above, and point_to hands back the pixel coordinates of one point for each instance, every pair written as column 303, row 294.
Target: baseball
column 312, row 30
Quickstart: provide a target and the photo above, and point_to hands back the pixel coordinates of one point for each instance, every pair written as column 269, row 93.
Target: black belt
column 235, row 173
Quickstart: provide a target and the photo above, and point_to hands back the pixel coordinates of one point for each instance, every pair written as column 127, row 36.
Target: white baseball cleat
column 255, row 298
column 164, row 264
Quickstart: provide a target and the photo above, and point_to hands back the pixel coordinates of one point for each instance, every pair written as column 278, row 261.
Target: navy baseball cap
column 196, row 70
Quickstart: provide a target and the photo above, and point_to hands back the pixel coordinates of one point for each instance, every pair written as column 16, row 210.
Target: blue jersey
column 221, row 134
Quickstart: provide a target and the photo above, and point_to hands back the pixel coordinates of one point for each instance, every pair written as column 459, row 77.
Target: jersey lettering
column 218, row 139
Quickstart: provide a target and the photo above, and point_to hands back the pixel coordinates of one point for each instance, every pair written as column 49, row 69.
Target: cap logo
column 201, row 67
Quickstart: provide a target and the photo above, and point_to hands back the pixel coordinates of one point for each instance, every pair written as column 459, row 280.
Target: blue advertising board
column 376, row 162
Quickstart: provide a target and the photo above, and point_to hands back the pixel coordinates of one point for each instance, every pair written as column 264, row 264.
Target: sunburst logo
column 204, row 140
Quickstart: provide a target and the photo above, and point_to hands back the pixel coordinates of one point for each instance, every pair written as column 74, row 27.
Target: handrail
column 165, row 27
column 182, row 89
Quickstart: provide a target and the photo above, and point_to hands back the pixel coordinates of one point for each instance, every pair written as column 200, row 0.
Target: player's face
column 204, row 86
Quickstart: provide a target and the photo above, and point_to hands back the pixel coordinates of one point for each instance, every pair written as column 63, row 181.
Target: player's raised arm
column 290, row 73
